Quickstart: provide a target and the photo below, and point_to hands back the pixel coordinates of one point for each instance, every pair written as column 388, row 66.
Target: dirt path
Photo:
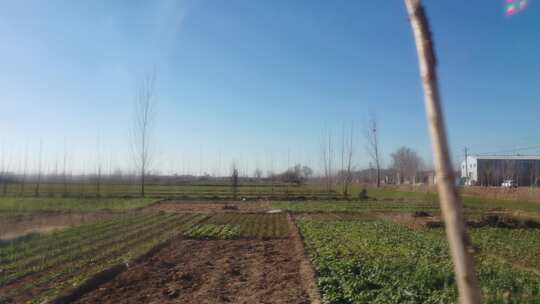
column 219, row 271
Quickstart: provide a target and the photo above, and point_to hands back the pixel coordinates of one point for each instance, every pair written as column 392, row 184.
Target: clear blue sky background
column 259, row 81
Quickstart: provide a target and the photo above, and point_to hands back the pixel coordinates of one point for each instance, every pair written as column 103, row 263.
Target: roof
column 508, row 157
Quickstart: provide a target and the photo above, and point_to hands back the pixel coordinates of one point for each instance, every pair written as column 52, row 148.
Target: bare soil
column 212, row 271
column 210, row 207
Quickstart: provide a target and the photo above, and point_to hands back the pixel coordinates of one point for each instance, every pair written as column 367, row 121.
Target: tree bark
column 451, row 205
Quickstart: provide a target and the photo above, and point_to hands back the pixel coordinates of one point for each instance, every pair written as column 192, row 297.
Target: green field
column 21, row 205
column 358, row 256
column 235, row 225
column 193, row 190
column 383, row 262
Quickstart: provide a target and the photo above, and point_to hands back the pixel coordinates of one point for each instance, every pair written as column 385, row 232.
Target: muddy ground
column 212, row 271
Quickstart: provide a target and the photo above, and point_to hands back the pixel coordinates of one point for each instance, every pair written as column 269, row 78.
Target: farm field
column 240, row 258
column 24, row 205
column 175, row 251
column 192, row 191
column 40, row 268
column 378, row 261
column 59, row 266
column 288, row 152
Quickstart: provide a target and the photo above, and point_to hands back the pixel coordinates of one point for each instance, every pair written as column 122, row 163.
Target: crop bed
column 384, row 262
column 42, row 267
column 356, row 206
column 238, row 225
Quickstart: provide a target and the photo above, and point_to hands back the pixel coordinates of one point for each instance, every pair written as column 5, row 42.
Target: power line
column 512, row 150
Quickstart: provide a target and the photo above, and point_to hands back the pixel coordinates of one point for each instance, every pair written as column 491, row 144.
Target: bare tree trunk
column 38, row 182
column 3, row 173
column 348, row 162
column 341, row 176
column 327, row 151
column 144, row 112
column 451, row 205
column 64, row 173
column 373, row 145
column 23, row 180
column 98, row 171
column 234, row 181
column 98, row 181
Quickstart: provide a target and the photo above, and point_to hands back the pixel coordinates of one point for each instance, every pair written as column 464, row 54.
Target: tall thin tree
column 234, row 180
column 38, row 181
column 372, row 139
column 99, row 167
column 327, row 157
column 3, row 172
column 64, row 172
column 25, row 167
column 348, row 154
column 145, row 101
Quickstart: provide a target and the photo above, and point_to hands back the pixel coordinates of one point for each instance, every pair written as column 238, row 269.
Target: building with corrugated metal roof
column 493, row 170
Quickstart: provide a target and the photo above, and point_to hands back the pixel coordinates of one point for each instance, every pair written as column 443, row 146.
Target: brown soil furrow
column 306, row 268
column 211, row 271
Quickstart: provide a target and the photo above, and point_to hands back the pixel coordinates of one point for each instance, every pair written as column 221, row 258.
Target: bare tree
column 341, row 176
column 258, row 174
column 25, row 167
column 327, row 158
column 407, row 163
column 38, row 181
column 64, row 173
column 347, row 172
column 234, row 180
column 372, row 139
column 99, row 167
column 143, row 122
column 4, row 172
column 451, row 204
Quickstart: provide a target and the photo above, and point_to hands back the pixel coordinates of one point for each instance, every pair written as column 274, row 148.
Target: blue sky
column 258, row 81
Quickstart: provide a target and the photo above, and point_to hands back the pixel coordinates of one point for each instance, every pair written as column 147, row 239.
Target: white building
column 492, row 170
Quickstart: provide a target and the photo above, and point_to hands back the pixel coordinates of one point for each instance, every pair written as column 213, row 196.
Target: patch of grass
column 14, row 205
column 355, row 206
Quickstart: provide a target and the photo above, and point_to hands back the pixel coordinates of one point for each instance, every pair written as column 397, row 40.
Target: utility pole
column 466, row 166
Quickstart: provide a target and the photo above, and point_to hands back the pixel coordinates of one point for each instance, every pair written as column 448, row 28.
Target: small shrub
column 363, row 195
column 421, row 214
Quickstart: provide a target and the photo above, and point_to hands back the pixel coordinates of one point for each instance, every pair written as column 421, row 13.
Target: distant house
column 427, row 177
column 493, row 170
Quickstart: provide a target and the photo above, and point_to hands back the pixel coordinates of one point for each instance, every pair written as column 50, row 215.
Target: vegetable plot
column 42, row 267
column 383, row 262
column 238, row 225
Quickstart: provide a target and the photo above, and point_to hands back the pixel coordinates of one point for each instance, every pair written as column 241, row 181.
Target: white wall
column 472, row 169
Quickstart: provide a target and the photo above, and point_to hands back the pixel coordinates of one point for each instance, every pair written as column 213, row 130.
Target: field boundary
column 306, row 267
